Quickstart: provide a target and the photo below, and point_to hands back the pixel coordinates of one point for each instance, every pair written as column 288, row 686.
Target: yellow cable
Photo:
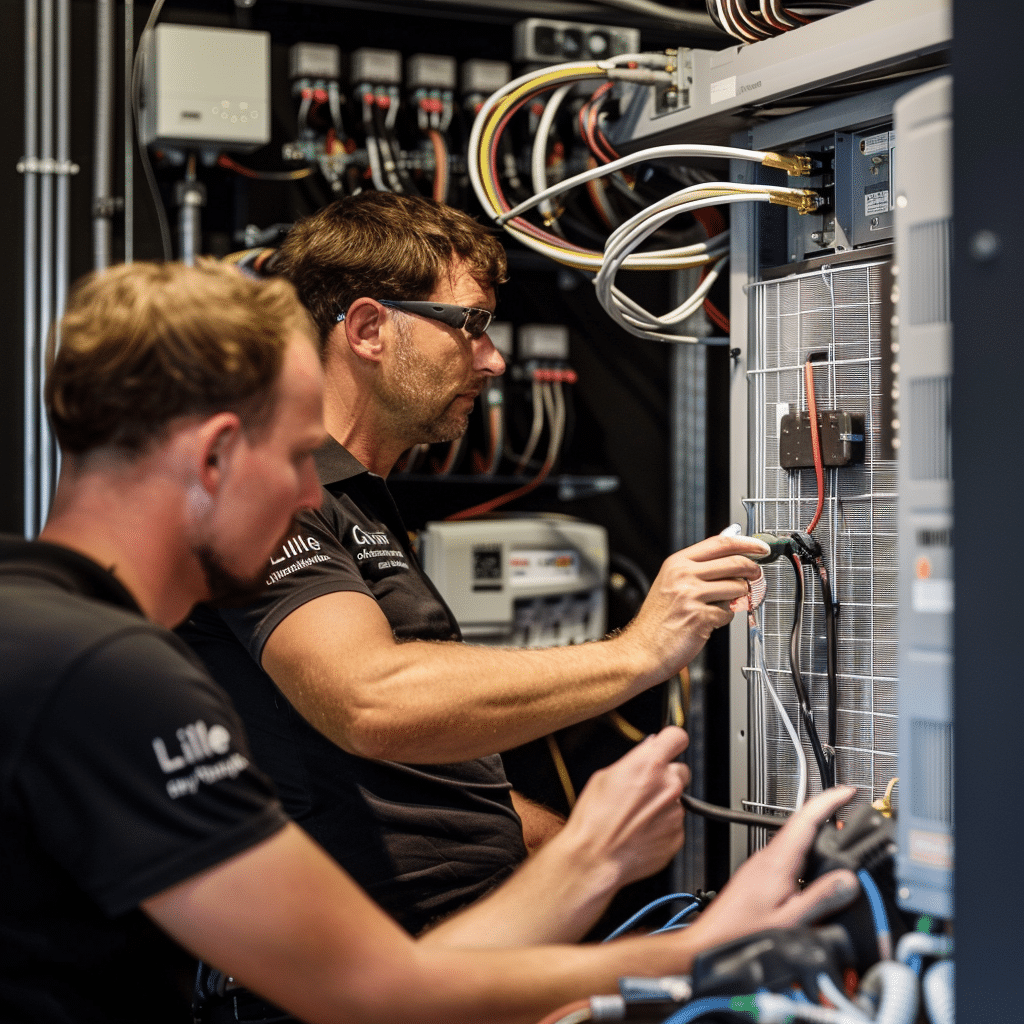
column 631, row 732
column 563, row 771
column 884, row 804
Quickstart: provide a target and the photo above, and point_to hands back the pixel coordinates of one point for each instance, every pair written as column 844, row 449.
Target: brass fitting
column 802, row 200
column 796, row 165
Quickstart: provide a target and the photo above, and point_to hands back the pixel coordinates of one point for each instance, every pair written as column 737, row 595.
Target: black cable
column 831, row 615
column 715, row 813
column 806, row 715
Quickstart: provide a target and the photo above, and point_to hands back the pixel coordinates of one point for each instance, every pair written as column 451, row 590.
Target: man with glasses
column 133, row 824
column 380, row 728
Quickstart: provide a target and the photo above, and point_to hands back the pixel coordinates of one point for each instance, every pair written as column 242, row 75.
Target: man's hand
column 764, row 892
column 690, row 598
column 626, row 825
column 628, row 814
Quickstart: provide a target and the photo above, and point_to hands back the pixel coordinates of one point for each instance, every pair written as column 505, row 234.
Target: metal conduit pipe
column 129, row 134
column 46, row 238
column 102, row 201
column 49, row 454
column 30, row 197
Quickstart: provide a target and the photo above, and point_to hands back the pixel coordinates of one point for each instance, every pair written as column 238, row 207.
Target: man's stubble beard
column 418, row 397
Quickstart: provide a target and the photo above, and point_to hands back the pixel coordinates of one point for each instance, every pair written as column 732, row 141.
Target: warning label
column 876, row 202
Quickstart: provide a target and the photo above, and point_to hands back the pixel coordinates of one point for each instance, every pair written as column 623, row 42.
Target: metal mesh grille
column 835, row 311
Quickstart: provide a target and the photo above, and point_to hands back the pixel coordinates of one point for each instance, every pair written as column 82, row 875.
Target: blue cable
column 867, row 883
column 676, row 918
column 698, row 1008
column 670, row 928
column 644, row 911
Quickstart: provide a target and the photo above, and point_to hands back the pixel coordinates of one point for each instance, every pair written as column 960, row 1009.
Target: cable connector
column 803, row 200
column 796, row 165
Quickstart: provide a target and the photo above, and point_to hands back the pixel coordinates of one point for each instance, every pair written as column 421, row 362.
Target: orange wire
column 440, row 165
column 713, row 223
column 819, row 469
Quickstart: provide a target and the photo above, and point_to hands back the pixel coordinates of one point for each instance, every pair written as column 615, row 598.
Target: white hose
column 920, row 944
column 939, row 993
column 897, row 986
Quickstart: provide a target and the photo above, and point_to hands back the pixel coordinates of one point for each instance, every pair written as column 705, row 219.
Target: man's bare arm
column 285, row 921
column 626, row 825
column 338, row 663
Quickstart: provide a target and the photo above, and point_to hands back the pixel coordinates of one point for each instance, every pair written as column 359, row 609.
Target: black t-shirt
column 123, row 771
column 423, row 840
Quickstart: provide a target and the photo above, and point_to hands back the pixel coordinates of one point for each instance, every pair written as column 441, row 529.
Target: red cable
column 713, row 223
column 819, row 469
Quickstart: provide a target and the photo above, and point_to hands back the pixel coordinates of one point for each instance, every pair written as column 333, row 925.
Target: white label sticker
column 526, row 568
column 932, row 848
column 874, row 143
column 781, row 411
column 932, row 597
column 876, row 202
column 723, row 90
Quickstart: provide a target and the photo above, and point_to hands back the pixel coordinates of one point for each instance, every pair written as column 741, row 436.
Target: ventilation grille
column 931, row 751
column 838, row 312
column 929, row 261
column 931, row 441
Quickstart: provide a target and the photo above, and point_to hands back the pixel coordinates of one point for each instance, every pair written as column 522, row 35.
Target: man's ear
column 217, row 441
column 363, row 329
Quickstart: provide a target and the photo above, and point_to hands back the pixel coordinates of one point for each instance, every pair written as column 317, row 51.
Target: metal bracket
column 36, row 165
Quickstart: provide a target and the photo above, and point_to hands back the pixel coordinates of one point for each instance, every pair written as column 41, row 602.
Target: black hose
column 716, row 813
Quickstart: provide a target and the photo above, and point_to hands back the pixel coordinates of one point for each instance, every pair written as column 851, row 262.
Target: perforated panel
column 836, row 312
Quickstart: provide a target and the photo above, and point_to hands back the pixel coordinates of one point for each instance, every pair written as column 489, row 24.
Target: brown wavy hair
column 144, row 343
column 382, row 246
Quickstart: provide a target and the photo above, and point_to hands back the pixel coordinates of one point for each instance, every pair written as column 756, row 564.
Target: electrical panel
column 821, row 287
column 717, row 92
column 922, row 354
column 206, row 88
column 531, row 581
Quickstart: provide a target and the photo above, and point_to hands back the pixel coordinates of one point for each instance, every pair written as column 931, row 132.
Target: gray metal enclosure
column 820, row 284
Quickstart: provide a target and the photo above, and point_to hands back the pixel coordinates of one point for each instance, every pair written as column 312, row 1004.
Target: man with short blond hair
column 132, row 821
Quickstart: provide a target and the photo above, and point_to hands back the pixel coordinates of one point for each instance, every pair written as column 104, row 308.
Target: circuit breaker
column 530, row 581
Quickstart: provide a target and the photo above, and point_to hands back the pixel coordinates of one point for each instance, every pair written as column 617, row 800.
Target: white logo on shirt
column 360, row 536
column 294, row 547
column 197, row 743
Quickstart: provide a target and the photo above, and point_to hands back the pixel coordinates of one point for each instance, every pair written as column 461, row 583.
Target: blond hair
column 145, row 343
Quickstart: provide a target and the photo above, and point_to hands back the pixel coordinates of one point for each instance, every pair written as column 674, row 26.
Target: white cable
column 922, row 944
column 577, row 71
column 538, row 161
column 801, row 758
column 939, row 995
column 539, row 407
column 586, row 69
column 334, row 104
column 774, row 1008
column 831, row 991
column 678, row 152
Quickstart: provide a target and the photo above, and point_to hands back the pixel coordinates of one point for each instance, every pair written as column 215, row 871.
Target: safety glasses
column 473, row 321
